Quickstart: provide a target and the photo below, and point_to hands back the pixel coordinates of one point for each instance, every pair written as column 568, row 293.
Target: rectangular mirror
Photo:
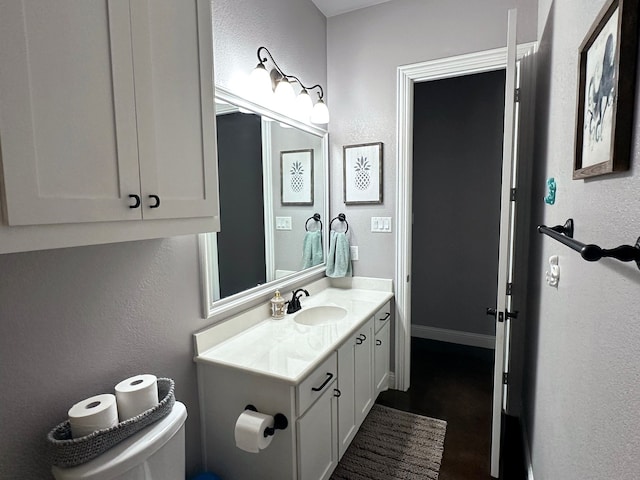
column 273, row 180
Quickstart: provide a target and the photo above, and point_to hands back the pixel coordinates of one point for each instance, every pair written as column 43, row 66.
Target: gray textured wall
column 582, row 376
column 365, row 48
column 76, row 321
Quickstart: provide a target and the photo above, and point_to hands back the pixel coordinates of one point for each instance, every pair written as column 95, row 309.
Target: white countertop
column 289, row 351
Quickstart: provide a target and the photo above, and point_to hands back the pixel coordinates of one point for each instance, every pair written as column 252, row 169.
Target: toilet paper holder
column 280, row 422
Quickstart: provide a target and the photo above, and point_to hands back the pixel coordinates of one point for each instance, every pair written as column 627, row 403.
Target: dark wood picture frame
column 606, row 88
column 362, row 175
column 296, row 177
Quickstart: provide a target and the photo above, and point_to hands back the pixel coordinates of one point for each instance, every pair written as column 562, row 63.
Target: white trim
column 454, row 336
column 267, row 188
column 407, row 75
column 527, row 449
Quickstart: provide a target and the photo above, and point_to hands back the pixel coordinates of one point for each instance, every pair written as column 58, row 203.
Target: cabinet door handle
column 336, row 392
column 385, row 317
column 358, row 341
column 157, row 199
column 364, row 337
column 136, row 201
column 324, row 384
column 378, row 342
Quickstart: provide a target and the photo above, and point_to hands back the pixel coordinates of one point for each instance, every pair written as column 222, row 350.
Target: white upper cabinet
column 106, row 111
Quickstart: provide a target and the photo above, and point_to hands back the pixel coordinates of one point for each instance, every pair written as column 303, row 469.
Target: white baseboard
column 527, row 449
column 454, row 336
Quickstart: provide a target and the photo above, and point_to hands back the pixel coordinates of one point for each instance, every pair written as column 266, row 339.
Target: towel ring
column 316, row 217
column 342, row 218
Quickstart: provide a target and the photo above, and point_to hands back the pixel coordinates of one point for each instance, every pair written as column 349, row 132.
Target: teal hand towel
column 339, row 257
column 312, row 254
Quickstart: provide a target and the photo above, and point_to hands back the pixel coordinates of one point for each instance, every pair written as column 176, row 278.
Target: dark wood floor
column 455, row 383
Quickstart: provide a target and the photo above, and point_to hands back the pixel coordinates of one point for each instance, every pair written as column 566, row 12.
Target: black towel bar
column 316, row 217
column 342, row 217
column 591, row 252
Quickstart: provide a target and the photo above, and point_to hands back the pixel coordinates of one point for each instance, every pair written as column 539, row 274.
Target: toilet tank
column 154, row 453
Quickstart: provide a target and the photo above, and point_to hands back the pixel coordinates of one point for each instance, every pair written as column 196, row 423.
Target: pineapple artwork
column 363, row 173
column 296, row 177
column 363, row 177
column 297, row 180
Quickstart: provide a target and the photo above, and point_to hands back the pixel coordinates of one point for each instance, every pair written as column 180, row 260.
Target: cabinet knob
column 157, row 199
column 136, row 202
column 336, row 392
column 378, row 342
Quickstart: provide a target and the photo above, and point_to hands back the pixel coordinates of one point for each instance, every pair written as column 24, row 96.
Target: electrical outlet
column 354, row 253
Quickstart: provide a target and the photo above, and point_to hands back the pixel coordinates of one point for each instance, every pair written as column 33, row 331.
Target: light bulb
column 260, row 84
column 303, row 106
column 285, row 96
column 320, row 113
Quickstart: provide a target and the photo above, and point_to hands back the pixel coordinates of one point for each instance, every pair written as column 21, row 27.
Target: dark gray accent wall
column 241, row 256
column 457, row 161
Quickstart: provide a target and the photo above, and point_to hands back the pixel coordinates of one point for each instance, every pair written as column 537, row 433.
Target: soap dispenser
column 277, row 306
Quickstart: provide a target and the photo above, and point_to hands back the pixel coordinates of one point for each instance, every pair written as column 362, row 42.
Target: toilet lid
column 128, row 453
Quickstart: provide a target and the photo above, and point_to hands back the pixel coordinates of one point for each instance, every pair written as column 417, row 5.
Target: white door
column 506, row 246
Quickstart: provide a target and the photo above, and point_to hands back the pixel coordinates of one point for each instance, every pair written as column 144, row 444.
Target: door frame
column 407, row 76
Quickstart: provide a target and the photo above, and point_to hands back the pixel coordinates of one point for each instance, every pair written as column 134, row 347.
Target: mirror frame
column 211, row 308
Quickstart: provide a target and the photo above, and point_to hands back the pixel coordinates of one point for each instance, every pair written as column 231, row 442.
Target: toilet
column 156, row 452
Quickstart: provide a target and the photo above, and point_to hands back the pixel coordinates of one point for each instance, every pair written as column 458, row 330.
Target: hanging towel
column 312, row 249
column 339, row 258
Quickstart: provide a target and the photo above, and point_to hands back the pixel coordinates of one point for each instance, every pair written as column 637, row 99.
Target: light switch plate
column 381, row 224
column 354, row 252
column 283, row 223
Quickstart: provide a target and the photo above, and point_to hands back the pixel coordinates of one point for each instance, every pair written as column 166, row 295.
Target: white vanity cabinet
column 382, row 349
column 321, row 377
column 106, row 115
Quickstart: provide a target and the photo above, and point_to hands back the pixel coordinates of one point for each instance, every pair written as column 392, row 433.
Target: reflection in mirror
column 273, row 179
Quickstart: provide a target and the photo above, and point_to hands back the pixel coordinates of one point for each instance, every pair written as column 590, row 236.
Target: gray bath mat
column 394, row 445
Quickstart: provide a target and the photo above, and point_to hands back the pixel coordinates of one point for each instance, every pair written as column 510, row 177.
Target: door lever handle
column 491, row 311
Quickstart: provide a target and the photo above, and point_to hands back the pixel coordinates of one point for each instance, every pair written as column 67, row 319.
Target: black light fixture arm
column 284, row 75
column 591, row 252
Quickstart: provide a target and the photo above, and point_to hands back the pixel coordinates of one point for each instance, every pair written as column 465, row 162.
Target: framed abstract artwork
column 296, row 177
column 362, row 178
column 606, row 86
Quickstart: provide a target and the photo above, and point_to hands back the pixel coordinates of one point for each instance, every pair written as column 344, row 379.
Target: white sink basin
column 321, row 315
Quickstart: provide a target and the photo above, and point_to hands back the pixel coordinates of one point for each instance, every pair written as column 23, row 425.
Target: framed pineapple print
column 296, row 177
column 363, row 173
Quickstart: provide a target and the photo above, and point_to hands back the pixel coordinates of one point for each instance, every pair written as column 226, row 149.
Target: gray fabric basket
column 66, row 451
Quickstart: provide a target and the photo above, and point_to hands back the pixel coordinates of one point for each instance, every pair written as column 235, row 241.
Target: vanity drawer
column 382, row 316
column 316, row 384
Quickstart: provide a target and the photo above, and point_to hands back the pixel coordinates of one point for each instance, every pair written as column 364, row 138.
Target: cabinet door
column 173, row 62
column 363, row 372
column 381, row 352
column 318, row 438
column 346, row 401
column 67, row 111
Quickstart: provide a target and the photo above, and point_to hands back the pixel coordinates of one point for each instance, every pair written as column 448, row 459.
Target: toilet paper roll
column 94, row 413
column 249, row 431
column 135, row 395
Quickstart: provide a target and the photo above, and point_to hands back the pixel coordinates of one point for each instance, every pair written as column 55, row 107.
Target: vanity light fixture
column 283, row 97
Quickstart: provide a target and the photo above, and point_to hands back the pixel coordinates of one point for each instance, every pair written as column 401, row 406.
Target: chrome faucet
column 293, row 305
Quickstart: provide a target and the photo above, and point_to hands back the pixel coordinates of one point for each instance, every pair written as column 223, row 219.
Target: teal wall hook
column 550, row 199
